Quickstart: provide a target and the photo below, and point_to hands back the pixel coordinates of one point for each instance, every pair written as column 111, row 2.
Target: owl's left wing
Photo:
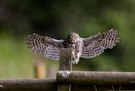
column 96, row 44
column 46, row 46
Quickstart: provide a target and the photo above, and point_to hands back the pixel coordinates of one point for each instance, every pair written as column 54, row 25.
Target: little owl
column 81, row 47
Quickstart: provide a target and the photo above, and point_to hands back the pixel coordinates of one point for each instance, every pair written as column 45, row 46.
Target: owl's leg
column 75, row 57
column 76, row 61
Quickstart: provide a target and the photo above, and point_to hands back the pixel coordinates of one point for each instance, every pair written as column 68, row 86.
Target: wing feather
column 96, row 44
column 46, row 46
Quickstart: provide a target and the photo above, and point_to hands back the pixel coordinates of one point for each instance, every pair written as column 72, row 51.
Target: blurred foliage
column 15, row 60
column 18, row 18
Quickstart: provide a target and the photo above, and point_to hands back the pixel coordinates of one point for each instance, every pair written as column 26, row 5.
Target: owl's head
column 73, row 38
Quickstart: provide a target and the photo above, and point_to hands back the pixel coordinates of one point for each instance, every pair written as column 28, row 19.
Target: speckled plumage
column 81, row 47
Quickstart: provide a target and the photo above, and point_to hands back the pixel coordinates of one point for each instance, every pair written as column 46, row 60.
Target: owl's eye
column 73, row 58
column 69, row 37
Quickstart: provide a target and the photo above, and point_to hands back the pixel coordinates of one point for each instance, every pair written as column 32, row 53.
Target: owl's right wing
column 96, row 44
column 46, row 46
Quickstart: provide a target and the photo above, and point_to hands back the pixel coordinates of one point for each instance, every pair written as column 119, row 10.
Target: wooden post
column 65, row 64
column 40, row 70
column 65, row 59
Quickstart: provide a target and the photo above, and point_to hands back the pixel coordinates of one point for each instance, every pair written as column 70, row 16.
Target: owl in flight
column 81, row 47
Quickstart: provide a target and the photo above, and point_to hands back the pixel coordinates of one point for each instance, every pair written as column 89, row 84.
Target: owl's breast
column 76, row 50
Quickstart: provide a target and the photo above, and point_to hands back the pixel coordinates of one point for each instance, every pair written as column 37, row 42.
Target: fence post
column 65, row 64
column 39, row 69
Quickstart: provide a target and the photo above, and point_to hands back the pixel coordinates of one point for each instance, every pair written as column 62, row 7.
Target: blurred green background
column 19, row 18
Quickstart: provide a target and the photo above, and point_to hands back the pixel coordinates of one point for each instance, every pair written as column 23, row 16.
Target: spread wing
column 96, row 44
column 48, row 47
